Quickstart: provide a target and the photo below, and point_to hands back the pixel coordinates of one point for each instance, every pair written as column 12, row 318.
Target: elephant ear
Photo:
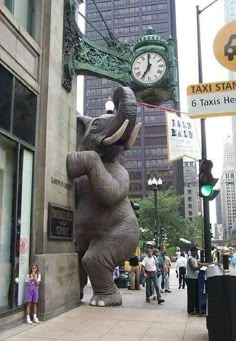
column 82, row 124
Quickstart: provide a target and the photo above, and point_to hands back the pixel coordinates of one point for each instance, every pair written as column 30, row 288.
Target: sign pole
column 206, row 211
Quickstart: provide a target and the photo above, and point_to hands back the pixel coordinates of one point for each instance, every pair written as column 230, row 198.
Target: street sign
column 224, row 46
column 212, row 99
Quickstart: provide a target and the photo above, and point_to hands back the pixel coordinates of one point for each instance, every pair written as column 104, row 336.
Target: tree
column 194, row 231
column 168, row 216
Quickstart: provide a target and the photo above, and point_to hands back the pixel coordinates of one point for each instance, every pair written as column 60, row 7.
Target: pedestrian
column 167, row 267
column 33, row 280
column 193, row 266
column 178, row 252
column 180, row 268
column 149, row 269
column 116, row 273
column 160, row 268
column 134, row 273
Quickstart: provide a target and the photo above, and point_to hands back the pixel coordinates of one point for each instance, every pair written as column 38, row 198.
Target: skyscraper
column 228, row 189
column 230, row 15
column 129, row 20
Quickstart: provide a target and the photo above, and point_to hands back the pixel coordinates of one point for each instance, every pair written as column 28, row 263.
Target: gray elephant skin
column 106, row 228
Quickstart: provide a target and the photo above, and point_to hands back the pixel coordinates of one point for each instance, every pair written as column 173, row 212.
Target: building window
column 6, row 86
column 24, row 11
column 24, row 113
column 17, row 108
column 189, row 191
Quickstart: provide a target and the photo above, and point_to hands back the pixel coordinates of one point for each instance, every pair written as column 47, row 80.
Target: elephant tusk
column 133, row 136
column 117, row 135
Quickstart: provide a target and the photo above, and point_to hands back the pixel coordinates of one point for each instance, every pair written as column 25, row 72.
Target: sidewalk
column 134, row 320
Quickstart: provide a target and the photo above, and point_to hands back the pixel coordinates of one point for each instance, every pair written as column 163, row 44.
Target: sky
column 211, row 21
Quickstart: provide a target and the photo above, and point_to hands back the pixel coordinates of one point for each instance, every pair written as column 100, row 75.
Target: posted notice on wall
column 182, row 138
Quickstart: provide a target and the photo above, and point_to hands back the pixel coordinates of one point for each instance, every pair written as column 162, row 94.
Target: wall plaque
column 60, row 222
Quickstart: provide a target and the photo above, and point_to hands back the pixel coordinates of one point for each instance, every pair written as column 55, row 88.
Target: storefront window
column 16, row 174
column 7, row 176
column 24, row 221
column 18, row 107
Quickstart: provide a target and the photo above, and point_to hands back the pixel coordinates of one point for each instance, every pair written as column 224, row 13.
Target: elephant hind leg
column 103, row 255
column 100, row 275
column 102, row 300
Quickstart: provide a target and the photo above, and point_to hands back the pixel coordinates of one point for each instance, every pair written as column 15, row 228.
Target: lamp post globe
column 109, row 106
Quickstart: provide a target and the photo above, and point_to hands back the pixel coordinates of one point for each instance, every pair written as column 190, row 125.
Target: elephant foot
column 106, row 300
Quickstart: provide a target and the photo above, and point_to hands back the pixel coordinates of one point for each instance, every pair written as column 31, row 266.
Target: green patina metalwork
column 84, row 57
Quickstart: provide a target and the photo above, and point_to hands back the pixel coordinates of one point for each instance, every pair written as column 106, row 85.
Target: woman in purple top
column 33, row 280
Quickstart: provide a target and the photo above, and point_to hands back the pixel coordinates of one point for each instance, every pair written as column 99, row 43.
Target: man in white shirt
column 149, row 268
column 180, row 268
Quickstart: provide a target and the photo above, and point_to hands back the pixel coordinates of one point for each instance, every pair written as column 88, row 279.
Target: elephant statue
column 106, row 228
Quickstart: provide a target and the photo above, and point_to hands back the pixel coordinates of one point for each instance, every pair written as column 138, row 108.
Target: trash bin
column 221, row 307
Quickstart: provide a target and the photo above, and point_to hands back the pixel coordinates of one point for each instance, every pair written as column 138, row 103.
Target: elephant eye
column 95, row 122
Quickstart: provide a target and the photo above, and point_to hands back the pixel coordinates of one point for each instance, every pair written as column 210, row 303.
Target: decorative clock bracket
column 82, row 56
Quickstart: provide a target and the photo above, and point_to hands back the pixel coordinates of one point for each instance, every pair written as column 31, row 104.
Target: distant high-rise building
column 128, row 20
column 228, row 189
column 230, row 15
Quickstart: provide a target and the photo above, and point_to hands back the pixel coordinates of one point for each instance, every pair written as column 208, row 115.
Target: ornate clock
column 149, row 68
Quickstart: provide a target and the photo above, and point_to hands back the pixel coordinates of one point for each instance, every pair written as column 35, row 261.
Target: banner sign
column 212, row 99
column 182, row 138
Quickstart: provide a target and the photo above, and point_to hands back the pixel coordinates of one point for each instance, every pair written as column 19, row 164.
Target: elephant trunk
column 126, row 108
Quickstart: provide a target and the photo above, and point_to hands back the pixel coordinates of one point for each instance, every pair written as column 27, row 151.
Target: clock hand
column 148, row 67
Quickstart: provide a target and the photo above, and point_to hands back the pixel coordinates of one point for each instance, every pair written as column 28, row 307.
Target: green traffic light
column 206, row 190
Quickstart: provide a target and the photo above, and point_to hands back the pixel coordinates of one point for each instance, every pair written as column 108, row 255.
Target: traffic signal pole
column 206, row 210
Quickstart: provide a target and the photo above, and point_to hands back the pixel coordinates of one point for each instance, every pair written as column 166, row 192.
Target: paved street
column 134, row 320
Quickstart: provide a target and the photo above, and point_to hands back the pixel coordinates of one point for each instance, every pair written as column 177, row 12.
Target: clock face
column 149, row 67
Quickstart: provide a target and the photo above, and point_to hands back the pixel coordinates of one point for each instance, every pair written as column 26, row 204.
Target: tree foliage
column 168, row 216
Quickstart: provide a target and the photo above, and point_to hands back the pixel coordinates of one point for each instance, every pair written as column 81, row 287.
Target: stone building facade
column 37, row 130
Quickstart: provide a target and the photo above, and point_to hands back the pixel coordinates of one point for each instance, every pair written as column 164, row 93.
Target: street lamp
column 206, row 211
column 154, row 183
column 109, row 106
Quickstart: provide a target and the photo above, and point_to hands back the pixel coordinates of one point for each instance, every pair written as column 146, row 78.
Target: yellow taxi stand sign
column 224, row 46
column 211, row 99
